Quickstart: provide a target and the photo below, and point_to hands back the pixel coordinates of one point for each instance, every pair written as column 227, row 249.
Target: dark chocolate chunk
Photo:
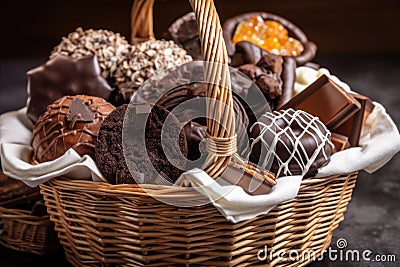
column 340, row 142
column 78, row 111
column 326, row 100
column 184, row 31
column 195, row 133
column 352, row 127
column 266, row 74
column 272, row 63
column 63, row 76
column 246, row 53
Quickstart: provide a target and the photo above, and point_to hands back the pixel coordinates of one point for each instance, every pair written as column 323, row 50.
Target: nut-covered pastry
column 110, row 49
column 290, row 143
column 147, row 155
column 62, row 76
column 70, row 122
column 147, row 58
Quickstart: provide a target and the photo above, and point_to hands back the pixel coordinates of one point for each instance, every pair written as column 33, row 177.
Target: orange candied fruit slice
column 270, row 35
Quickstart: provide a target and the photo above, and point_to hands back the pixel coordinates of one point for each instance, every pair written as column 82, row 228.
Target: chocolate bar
column 352, row 127
column 253, row 180
column 340, row 142
column 326, row 100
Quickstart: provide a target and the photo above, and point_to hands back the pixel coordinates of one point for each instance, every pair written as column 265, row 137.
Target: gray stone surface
column 372, row 221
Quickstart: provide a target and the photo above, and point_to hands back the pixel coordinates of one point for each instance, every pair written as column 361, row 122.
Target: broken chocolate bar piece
column 352, row 127
column 253, row 180
column 340, row 142
column 326, row 100
column 80, row 112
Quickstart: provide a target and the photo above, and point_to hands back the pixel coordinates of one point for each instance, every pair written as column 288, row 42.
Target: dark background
column 358, row 41
column 33, row 28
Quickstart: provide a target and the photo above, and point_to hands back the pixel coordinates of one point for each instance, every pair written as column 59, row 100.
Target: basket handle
column 142, row 21
column 221, row 137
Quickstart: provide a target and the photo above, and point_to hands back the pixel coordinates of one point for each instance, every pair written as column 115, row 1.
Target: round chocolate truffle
column 194, row 110
column 70, row 122
column 147, row 58
column 140, row 163
column 109, row 47
column 294, row 142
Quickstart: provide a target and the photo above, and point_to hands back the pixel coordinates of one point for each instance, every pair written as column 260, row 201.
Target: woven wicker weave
column 21, row 231
column 101, row 224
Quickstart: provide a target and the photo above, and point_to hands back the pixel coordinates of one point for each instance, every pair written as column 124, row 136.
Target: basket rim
column 65, row 183
column 22, row 215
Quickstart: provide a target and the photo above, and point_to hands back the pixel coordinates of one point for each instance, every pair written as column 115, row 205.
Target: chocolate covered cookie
column 184, row 32
column 70, row 122
column 290, row 143
column 147, row 155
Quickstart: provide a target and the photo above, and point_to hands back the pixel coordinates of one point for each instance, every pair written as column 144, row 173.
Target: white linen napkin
column 15, row 150
column 15, row 162
column 15, row 127
column 233, row 202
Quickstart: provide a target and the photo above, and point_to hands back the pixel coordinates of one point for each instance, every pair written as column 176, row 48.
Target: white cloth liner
column 380, row 141
column 233, row 202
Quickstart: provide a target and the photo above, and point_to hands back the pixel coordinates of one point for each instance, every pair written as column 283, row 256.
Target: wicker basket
column 101, row 224
column 21, row 231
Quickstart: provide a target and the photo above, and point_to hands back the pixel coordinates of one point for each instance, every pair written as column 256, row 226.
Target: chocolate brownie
column 140, row 163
